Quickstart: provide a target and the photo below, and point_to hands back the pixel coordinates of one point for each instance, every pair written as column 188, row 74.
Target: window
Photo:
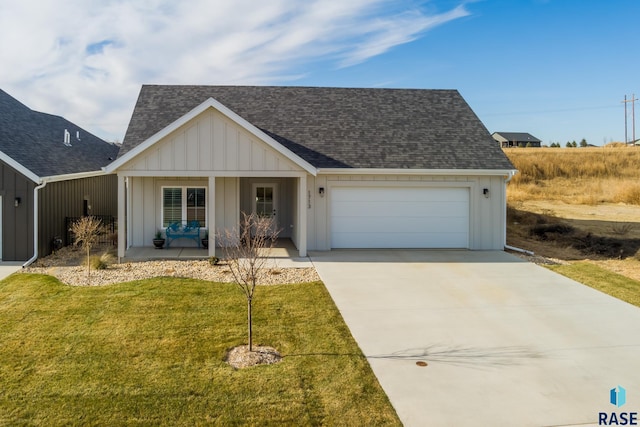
column 184, row 204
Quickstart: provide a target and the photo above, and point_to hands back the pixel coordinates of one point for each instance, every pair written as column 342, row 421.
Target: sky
column 558, row 69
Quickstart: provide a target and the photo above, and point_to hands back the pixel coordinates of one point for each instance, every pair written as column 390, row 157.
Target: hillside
column 577, row 204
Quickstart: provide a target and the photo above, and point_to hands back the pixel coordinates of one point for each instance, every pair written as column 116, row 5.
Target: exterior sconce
column 486, row 192
column 17, row 202
column 321, row 191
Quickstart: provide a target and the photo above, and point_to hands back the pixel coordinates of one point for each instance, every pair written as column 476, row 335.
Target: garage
column 399, row 217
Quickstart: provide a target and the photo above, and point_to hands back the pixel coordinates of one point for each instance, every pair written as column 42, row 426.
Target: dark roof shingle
column 339, row 127
column 517, row 136
column 36, row 141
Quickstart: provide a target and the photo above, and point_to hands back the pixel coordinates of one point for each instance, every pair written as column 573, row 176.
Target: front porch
column 284, row 254
column 153, row 202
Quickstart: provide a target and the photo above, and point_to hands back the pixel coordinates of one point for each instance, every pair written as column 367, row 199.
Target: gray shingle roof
column 518, row 136
column 339, row 127
column 36, row 141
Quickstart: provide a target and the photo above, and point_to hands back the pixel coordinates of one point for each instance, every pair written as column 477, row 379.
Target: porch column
column 211, row 217
column 302, row 215
column 121, row 217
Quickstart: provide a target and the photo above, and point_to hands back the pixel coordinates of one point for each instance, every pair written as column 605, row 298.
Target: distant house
column 335, row 167
column 50, row 169
column 516, row 139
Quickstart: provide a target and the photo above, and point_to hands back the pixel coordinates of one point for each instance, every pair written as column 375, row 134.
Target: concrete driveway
column 507, row 343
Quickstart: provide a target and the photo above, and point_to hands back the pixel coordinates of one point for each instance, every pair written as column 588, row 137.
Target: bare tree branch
column 246, row 251
column 86, row 232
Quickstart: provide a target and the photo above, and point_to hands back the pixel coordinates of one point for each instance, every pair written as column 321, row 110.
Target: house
column 50, row 169
column 516, row 139
column 338, row 167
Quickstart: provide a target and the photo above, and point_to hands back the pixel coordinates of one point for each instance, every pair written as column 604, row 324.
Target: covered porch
column 284, row 254
column 148, row 204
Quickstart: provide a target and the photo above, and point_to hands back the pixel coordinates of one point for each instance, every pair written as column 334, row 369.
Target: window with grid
column 184, row 204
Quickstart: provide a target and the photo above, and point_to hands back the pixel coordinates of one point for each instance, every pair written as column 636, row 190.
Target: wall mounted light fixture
column 17, row 202
column 485, row 191
column 321, row 191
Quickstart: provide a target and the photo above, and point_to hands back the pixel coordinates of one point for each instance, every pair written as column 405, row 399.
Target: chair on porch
column 177, row 230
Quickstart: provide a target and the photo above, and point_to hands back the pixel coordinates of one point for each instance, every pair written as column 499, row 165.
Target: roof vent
column 67, row 138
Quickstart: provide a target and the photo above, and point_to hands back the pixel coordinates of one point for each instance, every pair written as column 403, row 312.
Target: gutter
column 43, row 182
column 508, row 173
column 513, row 248
column 512, row 173
column 70, row 176
column 35, row 224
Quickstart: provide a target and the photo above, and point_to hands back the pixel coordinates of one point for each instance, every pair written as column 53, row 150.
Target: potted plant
column 158, row 241
column 205, row 239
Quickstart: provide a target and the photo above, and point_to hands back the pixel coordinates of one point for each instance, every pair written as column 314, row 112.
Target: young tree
column 246, row 251
column 86, row 232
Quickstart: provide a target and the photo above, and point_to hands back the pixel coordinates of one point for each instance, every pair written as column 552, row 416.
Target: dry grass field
column 589, row 176
column 577, row 204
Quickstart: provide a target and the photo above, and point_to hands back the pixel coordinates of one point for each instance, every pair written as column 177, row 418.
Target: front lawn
column 151, row 353
column 601, row 279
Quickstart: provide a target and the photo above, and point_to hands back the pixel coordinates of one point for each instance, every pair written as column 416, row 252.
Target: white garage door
column 403, row 217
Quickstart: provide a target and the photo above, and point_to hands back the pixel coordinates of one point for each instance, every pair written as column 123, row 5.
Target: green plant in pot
column 158, row 240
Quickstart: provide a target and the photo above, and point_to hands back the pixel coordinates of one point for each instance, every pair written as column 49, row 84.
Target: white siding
column 210, row 142
column 487, row 215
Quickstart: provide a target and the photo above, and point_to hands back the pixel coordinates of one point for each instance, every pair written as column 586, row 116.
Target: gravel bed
column 65, row 265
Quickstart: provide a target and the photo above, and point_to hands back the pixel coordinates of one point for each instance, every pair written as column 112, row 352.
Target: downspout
column 512, row 248
column 35, row 224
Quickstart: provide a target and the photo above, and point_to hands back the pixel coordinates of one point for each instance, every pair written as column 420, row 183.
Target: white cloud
column 86, row 60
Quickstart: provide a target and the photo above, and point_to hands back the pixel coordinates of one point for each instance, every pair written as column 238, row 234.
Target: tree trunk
column 249, row 321
column 88, row 262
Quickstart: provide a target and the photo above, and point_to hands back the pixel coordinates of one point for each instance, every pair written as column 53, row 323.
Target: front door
column 265, row 202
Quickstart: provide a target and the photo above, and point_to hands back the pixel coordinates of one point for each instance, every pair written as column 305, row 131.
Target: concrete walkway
column 7, row 268
column 506, row 342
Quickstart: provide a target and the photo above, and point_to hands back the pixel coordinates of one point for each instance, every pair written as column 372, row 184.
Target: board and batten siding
column 210, row 142
column 17, row 222
column 146, row 196
column 58, row 200
column 487, row 215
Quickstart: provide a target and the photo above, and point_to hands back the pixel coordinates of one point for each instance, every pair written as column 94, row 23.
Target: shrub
column 629, row 193
column 621, row 228
column 97, row 263
column 101, row 262
column 214, row 260
column 541, row 230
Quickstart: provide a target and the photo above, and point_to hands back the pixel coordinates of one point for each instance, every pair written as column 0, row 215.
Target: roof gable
column 207, row 140
column 339, row 127
column 35, row 141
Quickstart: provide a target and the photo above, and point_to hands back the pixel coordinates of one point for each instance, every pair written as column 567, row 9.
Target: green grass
column 151, row 353
column 603, row 280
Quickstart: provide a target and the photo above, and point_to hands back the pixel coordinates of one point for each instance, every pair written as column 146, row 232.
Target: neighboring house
column 50, row 169
column 339, row 168
column 516, row 139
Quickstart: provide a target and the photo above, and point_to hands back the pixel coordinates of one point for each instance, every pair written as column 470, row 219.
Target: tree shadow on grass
column 466, row 356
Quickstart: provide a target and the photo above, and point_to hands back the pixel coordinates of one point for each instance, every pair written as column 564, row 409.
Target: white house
column 338, row 167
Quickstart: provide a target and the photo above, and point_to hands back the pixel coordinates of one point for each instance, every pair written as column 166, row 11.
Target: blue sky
column 557, row 69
